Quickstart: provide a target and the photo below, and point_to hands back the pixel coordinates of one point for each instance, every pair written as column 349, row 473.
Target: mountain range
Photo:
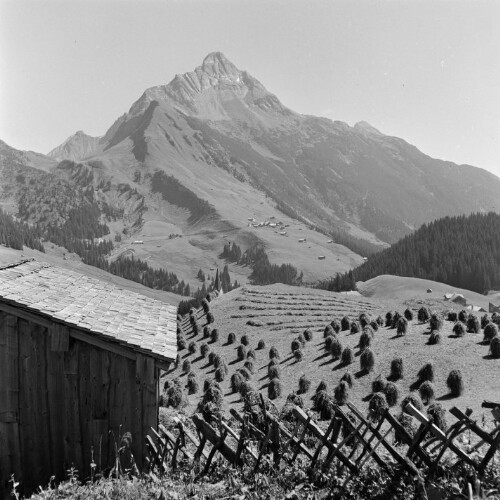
column 213, row 153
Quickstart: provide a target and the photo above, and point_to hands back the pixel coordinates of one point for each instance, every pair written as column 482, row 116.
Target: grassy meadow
column 278, row 314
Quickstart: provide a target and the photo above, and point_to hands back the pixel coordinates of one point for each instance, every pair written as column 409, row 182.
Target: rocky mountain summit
column 208, row 91
column 77, row 147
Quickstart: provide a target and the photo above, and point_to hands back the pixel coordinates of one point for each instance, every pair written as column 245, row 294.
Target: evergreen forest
column 462, row 251
column 177, row 194
column 14, row 234
column 263, row 272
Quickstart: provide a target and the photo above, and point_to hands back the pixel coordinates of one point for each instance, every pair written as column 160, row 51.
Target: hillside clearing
column 276, row 314
column 388, row 287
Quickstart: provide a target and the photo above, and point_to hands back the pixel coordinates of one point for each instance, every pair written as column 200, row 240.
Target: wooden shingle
column 99, row 309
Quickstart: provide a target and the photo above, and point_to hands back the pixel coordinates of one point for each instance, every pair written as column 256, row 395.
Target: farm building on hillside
column 79, row 367
column 492, row 308
column 476, row 309
column 456, row 298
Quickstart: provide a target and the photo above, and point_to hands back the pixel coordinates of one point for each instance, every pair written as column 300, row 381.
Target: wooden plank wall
column 10, row 462
column 64, row 402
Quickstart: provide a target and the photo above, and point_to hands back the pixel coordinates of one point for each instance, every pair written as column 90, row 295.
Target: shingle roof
column 103, row 309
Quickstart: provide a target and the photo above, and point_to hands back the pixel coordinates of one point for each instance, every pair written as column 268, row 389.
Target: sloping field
column 199, row 246
column 278, row 313
column 388, row 287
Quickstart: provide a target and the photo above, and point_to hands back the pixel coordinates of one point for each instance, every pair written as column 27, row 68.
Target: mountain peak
column 218, row 66
column 366, row 128
column 211, row 91
column 76, row 147
column 215, row 70
column 215, row 56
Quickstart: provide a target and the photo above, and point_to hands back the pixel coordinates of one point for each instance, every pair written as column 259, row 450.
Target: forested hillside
column 462, row 251
column 177, row 194
column 263, row 272
column 15, row 234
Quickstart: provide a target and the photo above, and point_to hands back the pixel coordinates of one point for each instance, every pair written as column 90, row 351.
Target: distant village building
column 456, row 298
column 80, row 361
column 492, row 308
column 476, row 309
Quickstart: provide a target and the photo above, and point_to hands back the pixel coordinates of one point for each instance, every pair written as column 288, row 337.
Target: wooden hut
column 79, row 367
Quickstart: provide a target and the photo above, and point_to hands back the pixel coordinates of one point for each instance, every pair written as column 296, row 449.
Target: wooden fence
column 350, row 441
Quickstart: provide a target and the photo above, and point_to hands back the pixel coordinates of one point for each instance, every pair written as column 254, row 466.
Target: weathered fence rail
column 350, row 440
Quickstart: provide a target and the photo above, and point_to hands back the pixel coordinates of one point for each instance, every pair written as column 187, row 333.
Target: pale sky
column 425, row 71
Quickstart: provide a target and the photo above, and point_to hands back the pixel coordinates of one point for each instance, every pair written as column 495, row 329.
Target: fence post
column 262, row 449
column 241, row 441
column 323, row 441
column 174, row 453
column 299, row 442
column 276, row 440
column 215, row 447
column 494, row 447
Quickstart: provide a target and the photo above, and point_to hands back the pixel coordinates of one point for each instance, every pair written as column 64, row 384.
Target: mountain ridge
column 219, row 133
